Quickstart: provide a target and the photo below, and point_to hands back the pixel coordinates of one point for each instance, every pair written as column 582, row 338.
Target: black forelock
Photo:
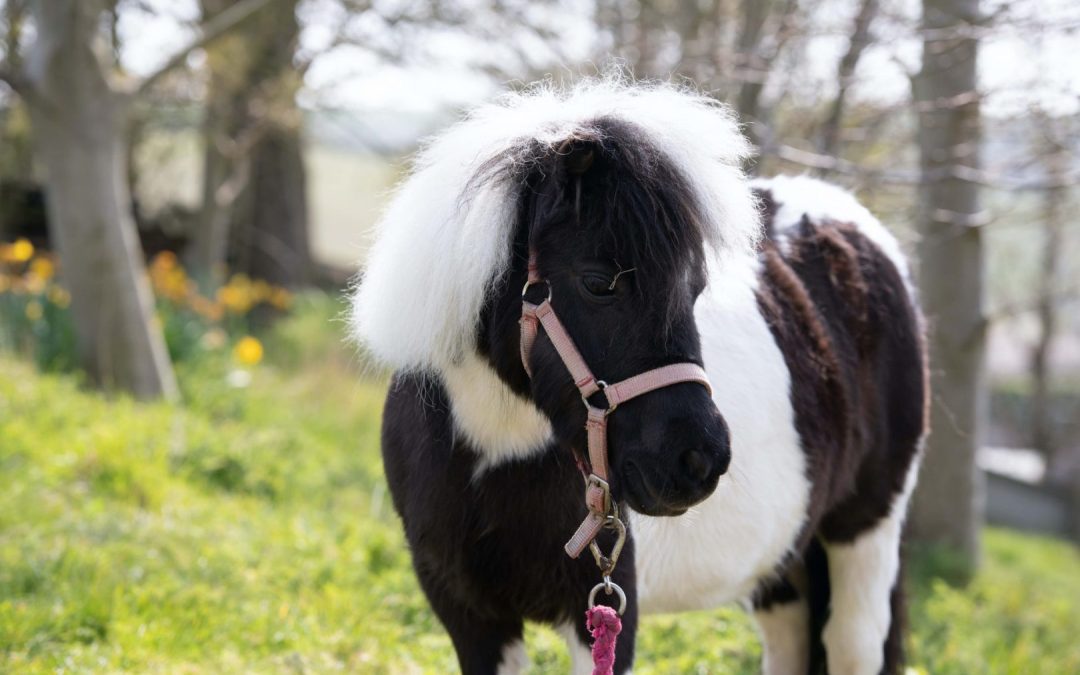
column 643, row 206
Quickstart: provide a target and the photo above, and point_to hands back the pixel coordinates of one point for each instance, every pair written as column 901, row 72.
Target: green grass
column 249, row 530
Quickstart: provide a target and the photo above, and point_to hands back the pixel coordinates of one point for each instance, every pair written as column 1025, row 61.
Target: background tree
column 79, row 112
column 947, row 507
column 1056, row 154
column 255, row 212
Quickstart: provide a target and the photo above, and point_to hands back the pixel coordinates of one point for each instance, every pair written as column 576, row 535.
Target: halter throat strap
column 595, row 467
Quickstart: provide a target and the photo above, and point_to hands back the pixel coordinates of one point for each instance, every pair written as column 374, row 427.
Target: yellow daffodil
column 34, row 310
column 59, row 296
column 248, row 351
column 22, row 250
column 42, row 268
column 18, row 252
column 235, row 298
column 281, row 298
column 166, row 260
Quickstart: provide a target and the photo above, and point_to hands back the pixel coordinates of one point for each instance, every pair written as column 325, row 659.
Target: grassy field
column 249, row 530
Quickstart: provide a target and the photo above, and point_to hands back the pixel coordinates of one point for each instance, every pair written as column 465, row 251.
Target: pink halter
column 602, row 512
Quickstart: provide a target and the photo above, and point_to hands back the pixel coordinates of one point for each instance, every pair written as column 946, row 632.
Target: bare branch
column 1064, row 296
column 837, row 165
column 828, row 163
column 845, row 73
column 211, row 30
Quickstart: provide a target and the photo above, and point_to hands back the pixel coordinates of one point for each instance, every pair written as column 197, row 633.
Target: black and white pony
column 786, row 490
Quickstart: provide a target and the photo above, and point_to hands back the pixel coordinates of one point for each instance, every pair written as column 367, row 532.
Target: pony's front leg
column 486, row 647
column 862, row 635
column 782, row 615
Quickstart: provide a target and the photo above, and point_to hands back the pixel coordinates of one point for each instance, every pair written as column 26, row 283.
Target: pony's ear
column 577, row 156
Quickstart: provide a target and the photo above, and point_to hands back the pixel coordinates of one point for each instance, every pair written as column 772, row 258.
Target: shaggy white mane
column 445, row 237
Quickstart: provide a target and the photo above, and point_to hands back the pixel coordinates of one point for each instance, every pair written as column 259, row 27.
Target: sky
column 1020, row 66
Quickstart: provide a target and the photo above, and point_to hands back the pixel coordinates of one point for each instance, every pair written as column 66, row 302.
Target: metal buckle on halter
column 592, row 480
column 530, row 284
column 603, row 390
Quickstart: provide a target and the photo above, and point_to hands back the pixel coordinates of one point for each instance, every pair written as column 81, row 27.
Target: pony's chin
column 641, row 497
column 660, row 510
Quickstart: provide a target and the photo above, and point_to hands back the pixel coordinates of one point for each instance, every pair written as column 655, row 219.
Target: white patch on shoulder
column 514, row 659
column 785, row 637
column 445, row 237
column 500, row 424
column 796, row 196
column 863, row 573
column 580, row 653
column 719, row 550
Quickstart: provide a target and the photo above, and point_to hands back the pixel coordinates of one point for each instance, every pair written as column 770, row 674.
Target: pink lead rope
column 603, row 622
column 604, row 625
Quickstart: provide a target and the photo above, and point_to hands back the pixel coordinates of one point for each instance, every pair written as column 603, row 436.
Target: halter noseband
column 602, row 511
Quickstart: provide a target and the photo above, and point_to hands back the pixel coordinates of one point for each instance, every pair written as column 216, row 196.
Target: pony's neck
column 499, row 424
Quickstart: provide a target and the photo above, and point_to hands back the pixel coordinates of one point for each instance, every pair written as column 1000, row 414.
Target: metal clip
column 607, row 563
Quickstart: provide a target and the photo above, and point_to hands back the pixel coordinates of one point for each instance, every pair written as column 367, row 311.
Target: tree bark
column 276, row 230
column 1057, row 165
column 224, row 169
column 255, row 211
column 79, row 127
column 948, row 504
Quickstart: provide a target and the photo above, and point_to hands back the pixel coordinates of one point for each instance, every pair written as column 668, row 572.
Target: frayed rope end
column 605, row 625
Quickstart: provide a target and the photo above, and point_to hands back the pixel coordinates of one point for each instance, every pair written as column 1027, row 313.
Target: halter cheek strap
column 602, row 512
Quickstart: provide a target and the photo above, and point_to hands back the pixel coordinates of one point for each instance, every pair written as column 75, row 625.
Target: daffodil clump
column 35, row 317
column 195, row 321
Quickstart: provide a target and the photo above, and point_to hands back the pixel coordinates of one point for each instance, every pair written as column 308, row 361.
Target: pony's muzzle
column 685, row 472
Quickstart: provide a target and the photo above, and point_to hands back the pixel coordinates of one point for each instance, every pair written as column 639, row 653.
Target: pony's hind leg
column 782, row 614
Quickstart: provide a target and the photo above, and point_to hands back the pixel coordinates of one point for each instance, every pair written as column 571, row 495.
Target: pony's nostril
column 724, row 462
column 697, row 466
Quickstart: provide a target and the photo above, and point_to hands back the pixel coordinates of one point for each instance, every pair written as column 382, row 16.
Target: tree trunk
column 272, row 241
column 227, row 121
column 79, row 127
column 1057, row 165
column 276, row 227
column 255, row 211
column 948, row 504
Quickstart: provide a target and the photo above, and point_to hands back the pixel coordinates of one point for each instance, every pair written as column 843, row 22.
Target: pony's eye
column 598, row 285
